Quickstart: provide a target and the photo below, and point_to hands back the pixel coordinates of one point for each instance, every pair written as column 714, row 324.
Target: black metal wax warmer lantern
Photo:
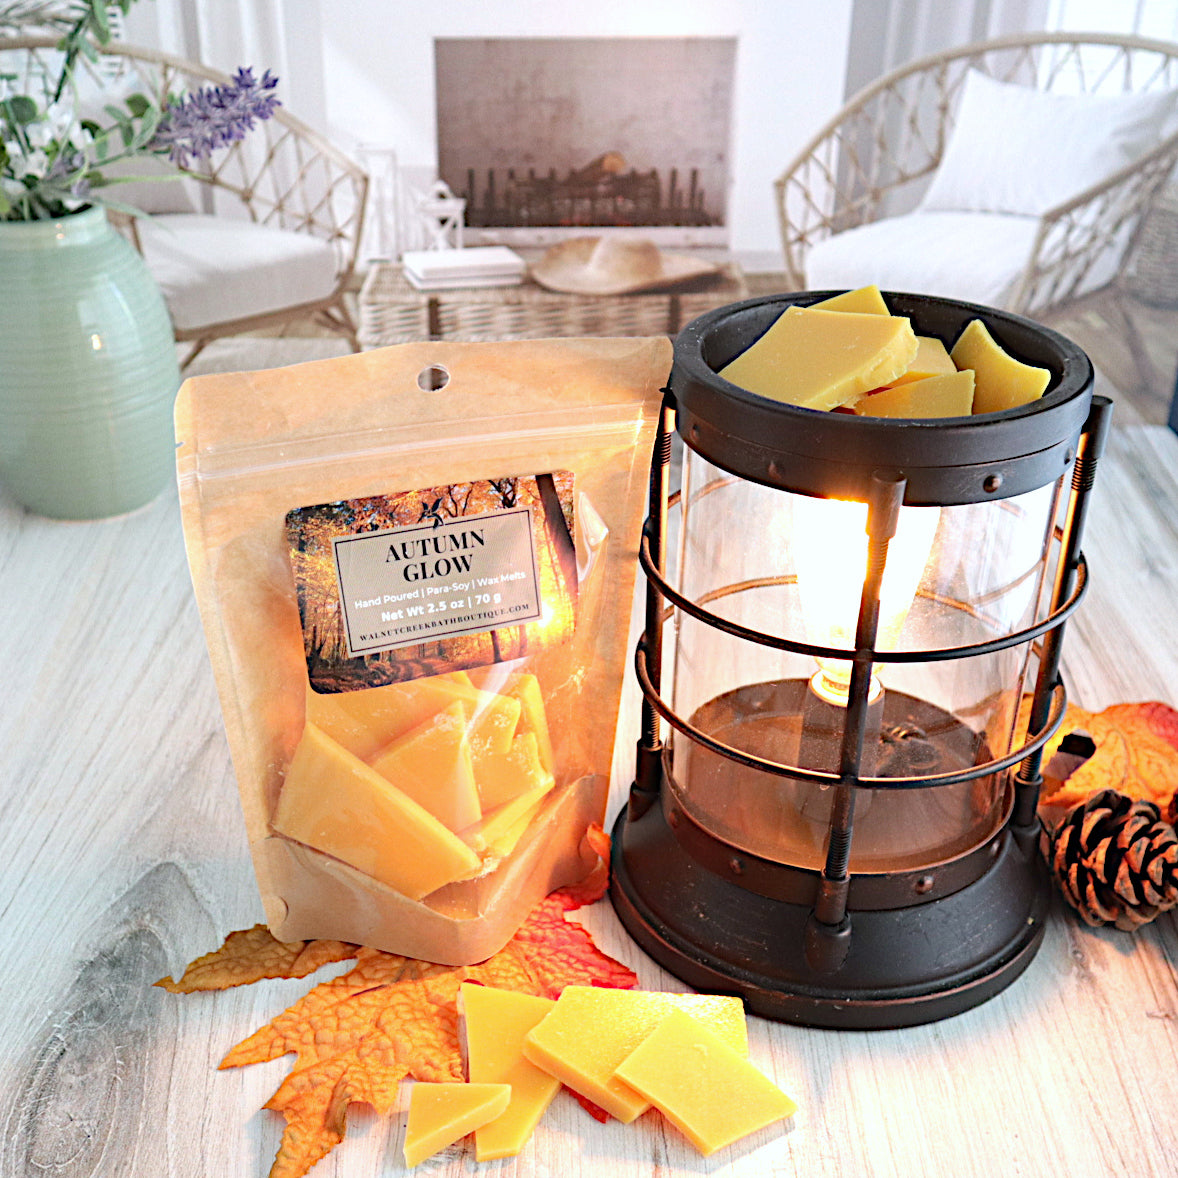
column 842, row 824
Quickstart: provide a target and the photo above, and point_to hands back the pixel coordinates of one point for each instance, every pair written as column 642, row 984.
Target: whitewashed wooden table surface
column 123, row 856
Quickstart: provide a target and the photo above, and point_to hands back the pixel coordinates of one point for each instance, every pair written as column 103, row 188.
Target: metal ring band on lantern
column 820, row 777
column 944, row 654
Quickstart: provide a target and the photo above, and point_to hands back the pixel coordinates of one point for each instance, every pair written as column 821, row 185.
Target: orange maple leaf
column 356, row 1036
column 249, row 955
column 1136, row 754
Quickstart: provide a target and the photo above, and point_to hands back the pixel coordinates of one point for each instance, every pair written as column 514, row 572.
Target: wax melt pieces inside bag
column 416, row 601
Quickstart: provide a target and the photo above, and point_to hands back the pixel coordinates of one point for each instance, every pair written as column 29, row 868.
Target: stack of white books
column 448, row 269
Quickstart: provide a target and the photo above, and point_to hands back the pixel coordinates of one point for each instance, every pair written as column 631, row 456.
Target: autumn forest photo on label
column 425, row 555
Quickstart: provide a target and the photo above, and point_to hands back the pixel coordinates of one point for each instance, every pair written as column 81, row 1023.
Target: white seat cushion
column 213, row 269
column 976, row 257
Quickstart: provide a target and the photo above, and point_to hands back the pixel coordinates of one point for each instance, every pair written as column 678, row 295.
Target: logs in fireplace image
column 605, row 193
column 542, row 132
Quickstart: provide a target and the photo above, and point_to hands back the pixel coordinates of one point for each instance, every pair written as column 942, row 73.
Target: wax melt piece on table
column 334, row 802
column 867, row 300
column 440, row 1114
column 1000, row 381
column 495, row 1023
column 822, row 359
column 945, row 395
column 432, row 764
column 710, row 1092
column 591, row 1030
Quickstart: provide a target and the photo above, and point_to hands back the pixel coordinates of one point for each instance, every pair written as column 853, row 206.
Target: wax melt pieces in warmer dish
column 849, row 354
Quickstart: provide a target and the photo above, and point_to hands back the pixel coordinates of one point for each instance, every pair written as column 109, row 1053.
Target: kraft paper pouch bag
column 415, row 569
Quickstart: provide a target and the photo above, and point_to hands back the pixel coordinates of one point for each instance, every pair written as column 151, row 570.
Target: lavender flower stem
column 213, row 117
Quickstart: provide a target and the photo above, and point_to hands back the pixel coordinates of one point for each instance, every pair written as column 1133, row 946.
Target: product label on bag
column 443, row 579
column 476, row 573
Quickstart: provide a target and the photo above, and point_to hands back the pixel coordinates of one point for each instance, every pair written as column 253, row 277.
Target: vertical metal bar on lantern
column 827, row 931
column 1029, row 780
column 648, row 768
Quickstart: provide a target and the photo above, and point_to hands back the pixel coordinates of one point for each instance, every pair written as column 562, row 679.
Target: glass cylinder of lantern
column 840, row 823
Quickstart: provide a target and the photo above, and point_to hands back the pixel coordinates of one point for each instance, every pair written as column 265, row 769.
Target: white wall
column 373, row 80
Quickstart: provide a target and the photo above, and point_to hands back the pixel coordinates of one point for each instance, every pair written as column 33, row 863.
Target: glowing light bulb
column 830, row 549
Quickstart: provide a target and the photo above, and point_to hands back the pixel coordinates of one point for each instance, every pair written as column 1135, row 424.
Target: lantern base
column 904, row 966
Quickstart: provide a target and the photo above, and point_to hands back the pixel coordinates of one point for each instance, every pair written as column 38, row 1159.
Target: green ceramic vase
column 88, row 370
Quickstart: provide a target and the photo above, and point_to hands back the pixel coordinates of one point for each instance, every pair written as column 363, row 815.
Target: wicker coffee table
column 392, row 311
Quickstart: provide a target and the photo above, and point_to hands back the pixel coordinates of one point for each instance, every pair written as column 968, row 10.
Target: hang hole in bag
column 433, row 378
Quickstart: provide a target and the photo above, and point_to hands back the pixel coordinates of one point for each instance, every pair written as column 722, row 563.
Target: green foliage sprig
column 54, row 162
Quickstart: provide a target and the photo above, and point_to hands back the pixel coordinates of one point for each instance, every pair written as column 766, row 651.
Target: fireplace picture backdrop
column 539, row 133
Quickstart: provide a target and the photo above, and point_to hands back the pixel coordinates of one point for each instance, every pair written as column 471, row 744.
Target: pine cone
column 1171, row 814
column 1115, row 860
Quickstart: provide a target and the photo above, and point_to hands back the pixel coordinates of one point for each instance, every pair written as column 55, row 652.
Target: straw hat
column 613, row 266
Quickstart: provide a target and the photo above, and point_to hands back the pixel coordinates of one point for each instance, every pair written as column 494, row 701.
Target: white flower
column 55, row 123
column 39, row 134
column 35, row 163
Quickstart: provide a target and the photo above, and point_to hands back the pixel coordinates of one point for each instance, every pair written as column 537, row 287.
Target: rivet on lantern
column 887, row 808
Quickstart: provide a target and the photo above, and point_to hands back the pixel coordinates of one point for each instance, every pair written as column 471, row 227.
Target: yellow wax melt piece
column 329, row 713
column 503, row 827
column 867, row 300
column 334, row 802
column 432, row 764
column 495, row 1023
column 494, row 718
column 948, row 395
column 932, row 359
column 1000, row 381
column 710, row 1093
column 823, row 359
column 592, row 1029
column 503, row 776
column 440, row 1114
column 366, row 721
column 525, row 688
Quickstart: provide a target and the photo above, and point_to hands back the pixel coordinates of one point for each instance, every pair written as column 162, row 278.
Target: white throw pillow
column 150, row 184
column 1018, row 150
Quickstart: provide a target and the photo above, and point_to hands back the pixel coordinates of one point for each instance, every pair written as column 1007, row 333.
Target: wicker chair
column 874, row 161
column 283, row 196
